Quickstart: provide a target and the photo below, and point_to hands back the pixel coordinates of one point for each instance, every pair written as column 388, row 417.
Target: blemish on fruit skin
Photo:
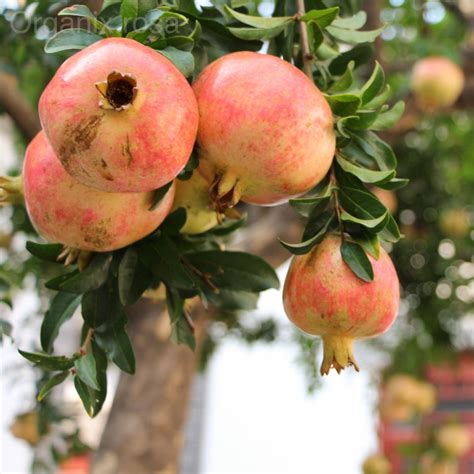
column 126, row 151
column 79, row 138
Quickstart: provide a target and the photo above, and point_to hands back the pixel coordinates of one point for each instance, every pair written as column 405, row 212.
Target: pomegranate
column 193, row 195
column 265, row 133
column 455, row 223
column 25, row 427
column 432, row 464
column 426, row 398
column 120, row 117
column 387, row 198
column 322, row 296
column 436, row 82
column 454, row 439
column 376, row 464
column 65, row 211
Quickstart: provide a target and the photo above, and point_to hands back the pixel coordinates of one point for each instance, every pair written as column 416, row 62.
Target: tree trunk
column 144, row 433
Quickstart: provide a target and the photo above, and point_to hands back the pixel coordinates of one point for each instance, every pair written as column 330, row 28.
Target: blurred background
column 256, row 402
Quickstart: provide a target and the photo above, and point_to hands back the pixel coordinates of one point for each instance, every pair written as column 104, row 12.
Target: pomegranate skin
column 266, row 132
column 436, row 82
column 323, row 297
column 139, row 148
column 64, row 211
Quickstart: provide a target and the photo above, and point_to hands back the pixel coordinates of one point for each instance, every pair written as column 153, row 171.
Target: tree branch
column 306, row 52
column 17, row 107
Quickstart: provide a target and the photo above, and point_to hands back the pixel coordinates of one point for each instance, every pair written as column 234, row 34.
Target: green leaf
column 361, row 207
column 71, row 39
column 357, row 260
column 93, row 277
column 183, row 333
column 305, row 246
column 61, row 309
column 128, row 11
column 162, row 258
column 174, row 222
column 49, row 252
column 133, row 277
column 343, row 104
column 233, row 300
column 51, row 383
column 86, row 370
column 258, row 21
column 47, row 361
column 380, row 99
column 257, row 33
column 390, row 232
column 84, row 12
column 101, row 308
column 188, row 170
column 5, row 329
column 235, row 270
column 159, row 194
column 370, row 243
column 390, row 118
column 345, row 81
column 183, row 60
column 94, row 399
column 352, row 23
column 322, row 17
column 360, row 54
column 362, row 120
column 364, row 174
column 395, row 183
column 305, row 206
column 368, row 146
column 374, row 85
column 116, row 344
column 315, row 36
column 352, row 36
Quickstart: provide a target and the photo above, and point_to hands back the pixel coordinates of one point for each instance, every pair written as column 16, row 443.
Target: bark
column 17, row 107
column 145, row 430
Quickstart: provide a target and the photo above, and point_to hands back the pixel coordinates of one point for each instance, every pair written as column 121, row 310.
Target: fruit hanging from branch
column 120, row 117
column 323, row 297
column 122, row 120
column 437, row 83
column 65, row 211
column 266, row 132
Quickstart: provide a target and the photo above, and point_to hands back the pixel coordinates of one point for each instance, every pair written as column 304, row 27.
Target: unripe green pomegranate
column 193, row 195
column 436, row 82
column 265, row 133
column 120, row 117
column 323, row 297
column 65, row 211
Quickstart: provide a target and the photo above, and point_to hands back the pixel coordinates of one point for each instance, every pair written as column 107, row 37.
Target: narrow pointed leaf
column 355, row 257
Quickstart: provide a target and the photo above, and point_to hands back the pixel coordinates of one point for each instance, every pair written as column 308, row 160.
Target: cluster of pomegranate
column 120, row 121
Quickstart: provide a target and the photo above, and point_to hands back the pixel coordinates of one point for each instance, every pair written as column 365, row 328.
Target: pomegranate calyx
column 118, row 92
column 337, row 354
column 70, row 255
column 11, row 190
column 225, row 192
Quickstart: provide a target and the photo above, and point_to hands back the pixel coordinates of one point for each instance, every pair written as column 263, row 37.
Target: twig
column 87, row 342
column 306, row 52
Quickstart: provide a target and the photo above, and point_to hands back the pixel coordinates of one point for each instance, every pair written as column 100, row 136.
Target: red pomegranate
column 436, row 82
column 266, row 131
column 65, row 211
column 323, row 297
column 120, row 117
